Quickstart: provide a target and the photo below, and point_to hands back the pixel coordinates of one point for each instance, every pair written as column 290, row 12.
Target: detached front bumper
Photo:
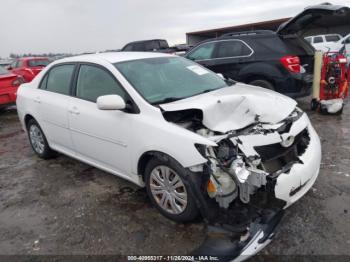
column 292, row 186
column 231, row 244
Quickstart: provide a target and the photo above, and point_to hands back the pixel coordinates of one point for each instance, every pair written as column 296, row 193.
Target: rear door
column 52, row 101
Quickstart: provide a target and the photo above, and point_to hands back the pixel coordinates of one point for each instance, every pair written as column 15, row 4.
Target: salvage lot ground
column 62, row 206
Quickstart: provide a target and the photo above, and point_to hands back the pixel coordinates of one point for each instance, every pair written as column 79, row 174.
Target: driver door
column 99, row 136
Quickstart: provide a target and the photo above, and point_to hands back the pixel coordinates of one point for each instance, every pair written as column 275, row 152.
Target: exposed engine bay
column 245, row 160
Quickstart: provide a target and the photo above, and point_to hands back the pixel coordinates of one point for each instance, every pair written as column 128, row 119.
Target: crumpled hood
column 236, row 107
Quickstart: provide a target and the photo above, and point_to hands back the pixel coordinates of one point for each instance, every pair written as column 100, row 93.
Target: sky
column 75, row 26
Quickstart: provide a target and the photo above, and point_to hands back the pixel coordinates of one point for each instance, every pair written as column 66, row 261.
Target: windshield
column 167, row 79
column 41, row 62
column 3, row 71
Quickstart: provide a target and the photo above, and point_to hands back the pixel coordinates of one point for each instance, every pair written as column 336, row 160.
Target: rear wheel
column 166, row 187
column 262, row 83
column 38, row 140
column 314, row 104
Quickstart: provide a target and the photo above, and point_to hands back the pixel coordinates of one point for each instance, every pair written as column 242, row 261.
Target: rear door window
column 151, row 46
column 318, row 39
column 60, row 78
column 332, row 38
column 232, row 48
column 203, row 52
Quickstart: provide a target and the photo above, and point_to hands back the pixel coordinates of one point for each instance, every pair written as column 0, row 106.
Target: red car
column 9, row 84
column 29, row 67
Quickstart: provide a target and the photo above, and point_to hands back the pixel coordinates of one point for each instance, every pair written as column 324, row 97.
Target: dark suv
column 282, row 60
column 259, row 58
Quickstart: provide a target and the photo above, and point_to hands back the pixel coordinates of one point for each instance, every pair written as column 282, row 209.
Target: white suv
column 199, row 143
column 324, row 43
column 332, row 43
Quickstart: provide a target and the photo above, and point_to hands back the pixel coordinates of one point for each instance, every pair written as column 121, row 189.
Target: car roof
column 143, row 41
column 114, row 57
column 242, row 35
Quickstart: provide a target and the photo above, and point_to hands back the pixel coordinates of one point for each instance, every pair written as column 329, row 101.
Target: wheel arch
column 146, row 157
column 27, row 118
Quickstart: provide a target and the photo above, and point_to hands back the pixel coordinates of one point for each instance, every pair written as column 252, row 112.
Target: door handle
column 74, row 111
column 37, row 100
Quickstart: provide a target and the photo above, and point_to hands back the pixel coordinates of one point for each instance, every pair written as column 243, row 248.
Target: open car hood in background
column 313, row 17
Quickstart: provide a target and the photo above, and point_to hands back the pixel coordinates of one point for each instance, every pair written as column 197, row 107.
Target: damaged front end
column 250, row 177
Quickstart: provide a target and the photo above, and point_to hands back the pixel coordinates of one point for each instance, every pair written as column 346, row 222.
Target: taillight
column 18, row 81
column 291, row 63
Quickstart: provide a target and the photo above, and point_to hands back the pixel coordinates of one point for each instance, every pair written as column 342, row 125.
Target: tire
column 262, row 83
column 179, row 204
column 314, row 104
column 38, row 141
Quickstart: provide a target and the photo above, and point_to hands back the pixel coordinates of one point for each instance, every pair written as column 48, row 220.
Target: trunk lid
column 314, row 17
column 6, row 80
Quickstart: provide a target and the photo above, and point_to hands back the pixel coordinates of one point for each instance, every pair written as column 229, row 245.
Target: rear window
column 318, row 39
column 128, row 48
column 35, row 63
column 332, row 38
column 163, row 44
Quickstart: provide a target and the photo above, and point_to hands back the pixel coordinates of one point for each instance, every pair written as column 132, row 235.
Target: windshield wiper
column 230, row 82
column 166, row 100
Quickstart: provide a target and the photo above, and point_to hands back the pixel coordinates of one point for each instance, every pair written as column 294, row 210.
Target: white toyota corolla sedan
column 200, row 144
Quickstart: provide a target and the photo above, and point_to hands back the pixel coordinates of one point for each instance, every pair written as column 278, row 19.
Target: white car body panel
column 236, row 107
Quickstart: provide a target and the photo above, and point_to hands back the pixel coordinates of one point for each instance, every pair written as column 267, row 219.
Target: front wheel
column 166, row 187
column 38, row 140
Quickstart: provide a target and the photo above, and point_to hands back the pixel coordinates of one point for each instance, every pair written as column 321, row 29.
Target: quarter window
column 94, row 82
column 59, row 79
column 205, row 51
column 232, row 49
column 308, row 39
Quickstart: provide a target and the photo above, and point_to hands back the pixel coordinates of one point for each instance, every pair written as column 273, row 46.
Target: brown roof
column 258, row 24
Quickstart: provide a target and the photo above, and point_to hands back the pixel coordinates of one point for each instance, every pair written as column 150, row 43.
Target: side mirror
column 110, row 102
column 9, row 67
